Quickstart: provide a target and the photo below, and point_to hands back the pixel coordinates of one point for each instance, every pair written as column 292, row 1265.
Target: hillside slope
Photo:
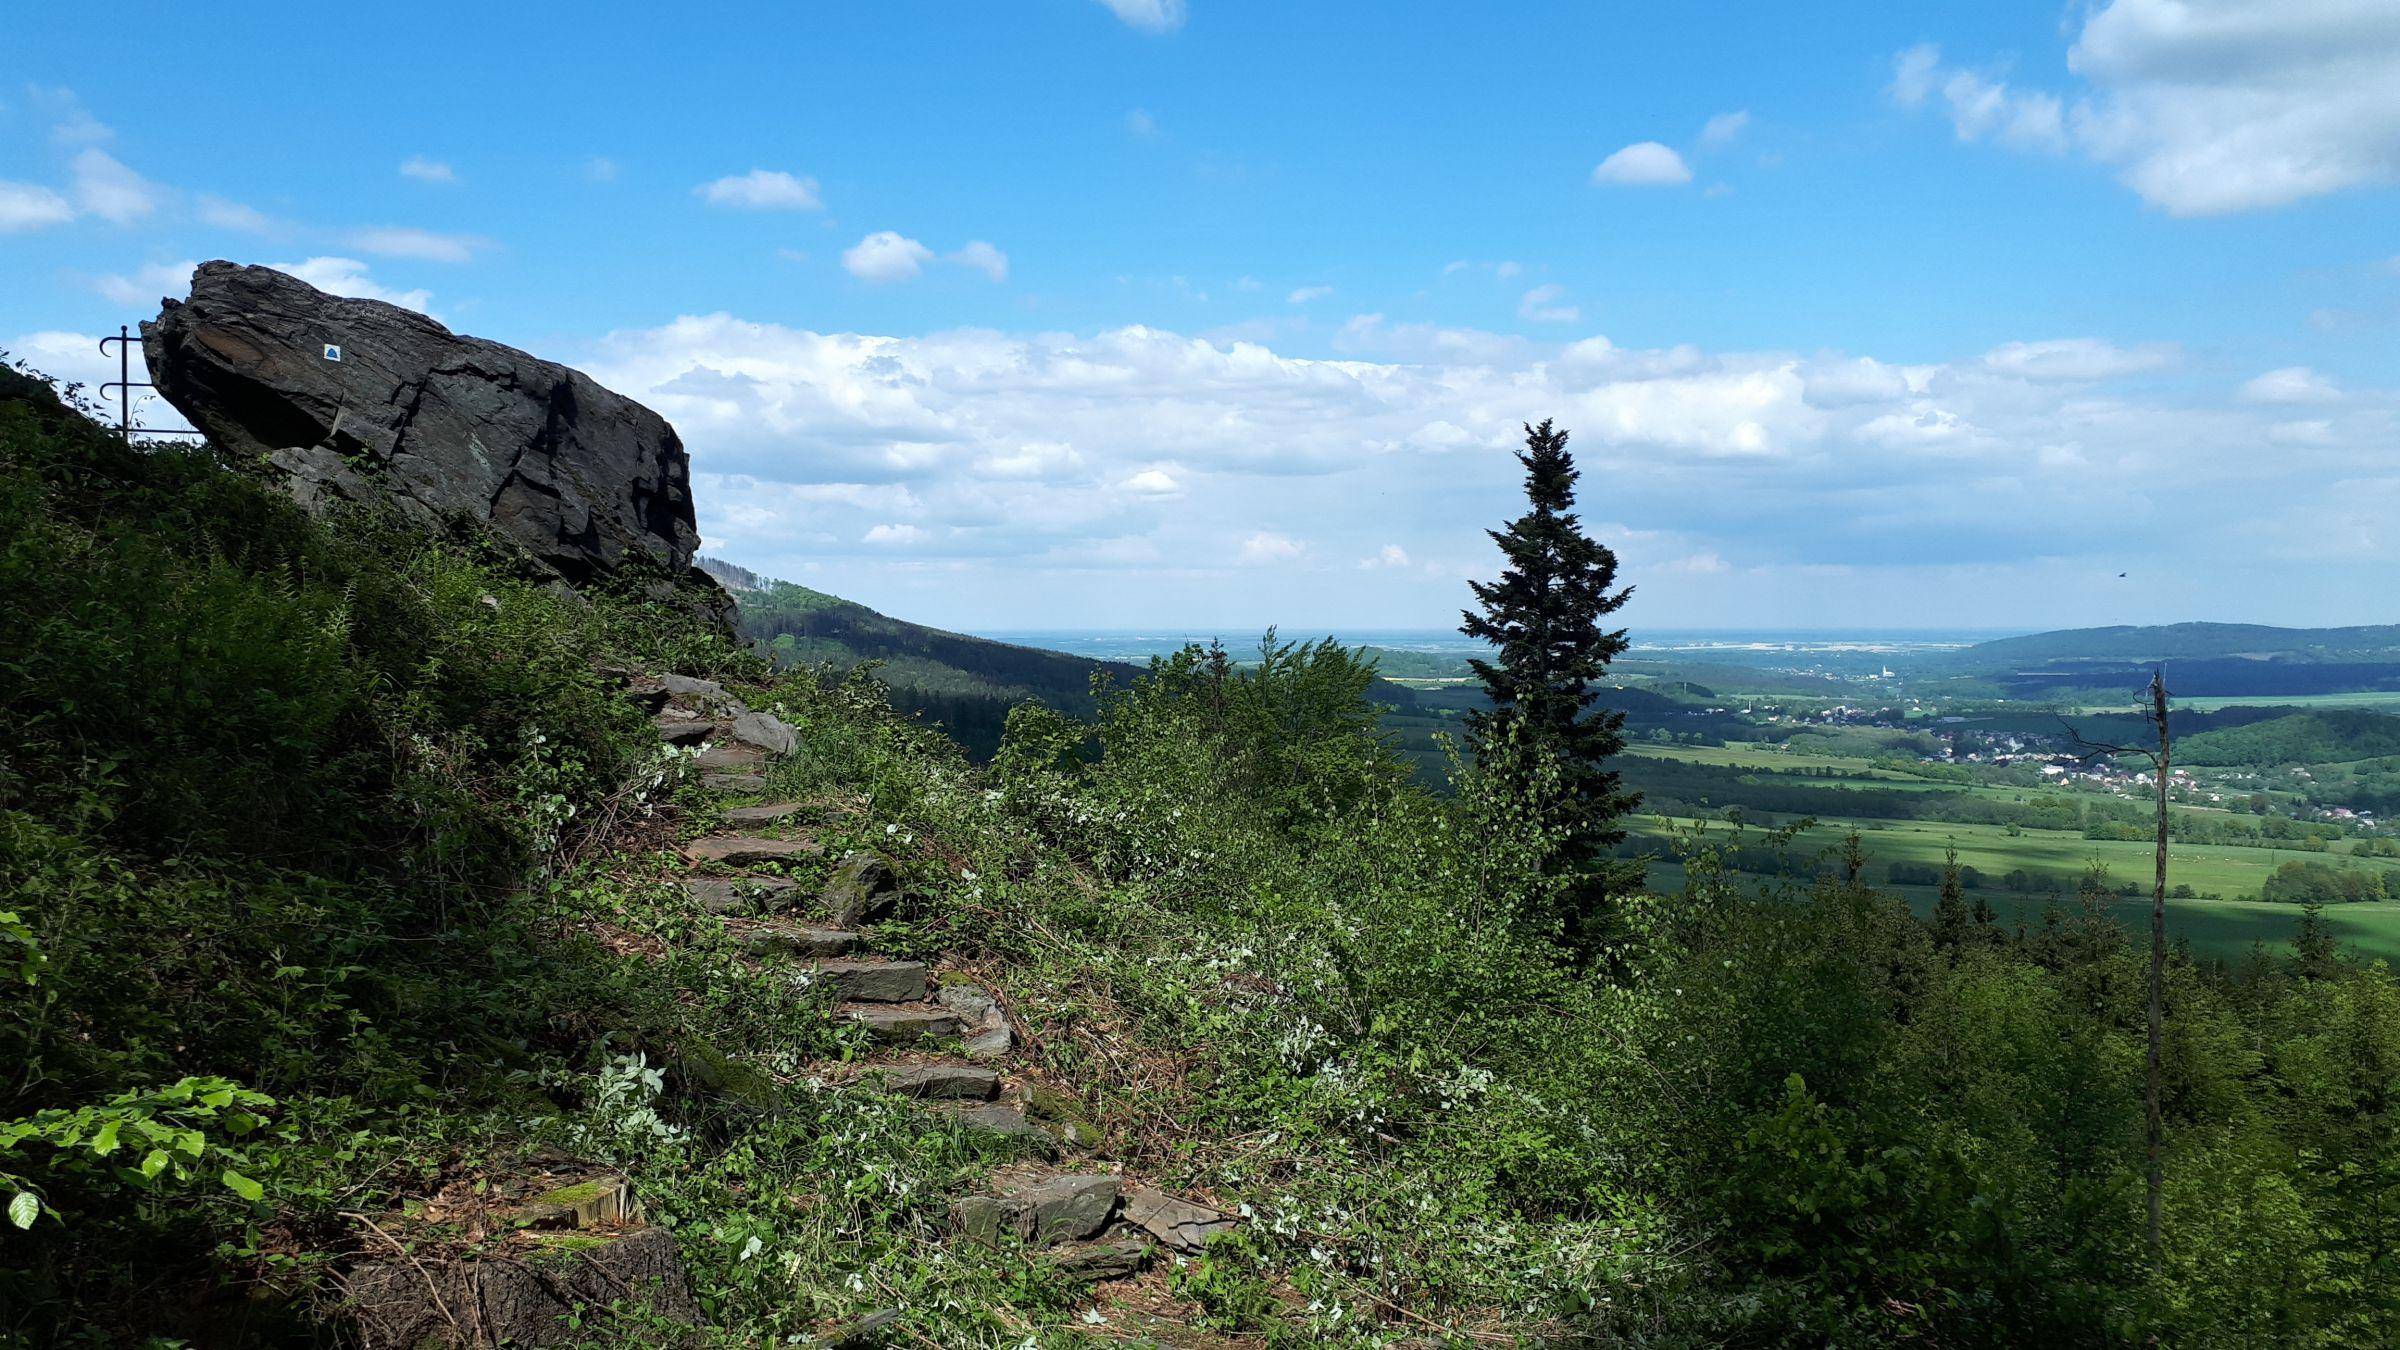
column 2185, row 642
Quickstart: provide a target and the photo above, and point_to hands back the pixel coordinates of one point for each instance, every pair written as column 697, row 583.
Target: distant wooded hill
column 2204, row 660
column 967, row 684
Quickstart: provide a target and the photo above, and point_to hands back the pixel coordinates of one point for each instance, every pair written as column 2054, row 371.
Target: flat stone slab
column 797, row 939
column 1179, row 1224
column 873, row 981
column 1044, row 1213
column 734, row 782
column 740, row 895
column 763, row 815
column 1007, row 1122
column 766, row 731
column 736, row 850
column 940, row 1082
column 1118, row 1259
column 987, row 1035
column 722, row 757
column 904, row 1025
column 676, row 731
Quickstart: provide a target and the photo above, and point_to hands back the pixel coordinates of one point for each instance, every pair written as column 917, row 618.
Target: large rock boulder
column 360, row 400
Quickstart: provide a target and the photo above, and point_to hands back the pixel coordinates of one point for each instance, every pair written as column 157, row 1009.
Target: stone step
column 766, row 731
column 904, row 1024
column 1183, row 1226
column 740, row 850
column 873, row 981
column 1007, row 1122
column 676, row 731
column 723, row 758
column 775, row 938
column 740, row 895
column 938, row 1082
column 1041, row 1213
column 985, row 1027
column 763, row 815
column 734, row 782
column 1114, row 1259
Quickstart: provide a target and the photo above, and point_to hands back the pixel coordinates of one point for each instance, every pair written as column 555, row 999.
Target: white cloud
column 400, row 241
column 103, row 187
column 2291, row 384
column 899, row 536
column 1265, row 548
column 2077, row 359
column 30, row 206
column 219, row 213
column 148, row 284
column 70, row 122
column 1724, row 128
column 1139, row 122
column 762, row 190
column 2202, row 106
column 1542, row 305
column 1642, row 164
column 1151, row 16
column 1390, row 555
column 886, row 256
column 1305, row 294
column 599, row 169
column 983, row 258
column 425, row 170
column 348, row 276
column 1153, row 483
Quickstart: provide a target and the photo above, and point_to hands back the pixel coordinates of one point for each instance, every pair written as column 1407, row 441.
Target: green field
column 2388, row 699
column 2222, row 927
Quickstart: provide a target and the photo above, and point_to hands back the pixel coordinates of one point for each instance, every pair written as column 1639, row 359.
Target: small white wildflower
column 752, row 1248
column 1092, row 1317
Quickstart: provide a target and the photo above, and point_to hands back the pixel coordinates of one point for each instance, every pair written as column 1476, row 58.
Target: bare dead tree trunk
column 2154, row 1119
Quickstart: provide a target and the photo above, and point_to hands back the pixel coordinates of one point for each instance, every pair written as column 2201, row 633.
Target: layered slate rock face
column 589, row 482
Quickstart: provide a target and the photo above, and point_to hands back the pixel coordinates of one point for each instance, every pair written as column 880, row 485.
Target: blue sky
column 1214, row 314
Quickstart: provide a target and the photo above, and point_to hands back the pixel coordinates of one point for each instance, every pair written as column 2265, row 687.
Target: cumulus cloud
column 2291, row 384
column 1151, row 16
column 1265, row 548
column 102, row 186
column 348, row 276
column 762, row 190
column 425, row 170
column 1724, row 128
column 147, row 285
column 1306, row 294
column 219, row 213
column 399, row 241
column 1642, row 164
column 886, row 256
column 2201, row 106
column 984, row 258
column 2077, row 359
column 1545, row 304
column 1390, row 555
column 894, row 535
column 1153, row 483
column 30, row 206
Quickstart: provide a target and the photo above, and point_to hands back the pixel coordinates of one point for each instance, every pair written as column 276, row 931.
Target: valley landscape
column 1200, row 674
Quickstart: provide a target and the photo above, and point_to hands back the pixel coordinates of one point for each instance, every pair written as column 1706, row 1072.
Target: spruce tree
column 1543, row 617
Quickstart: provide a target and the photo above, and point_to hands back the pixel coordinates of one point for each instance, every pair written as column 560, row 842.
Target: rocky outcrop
column 363, row 401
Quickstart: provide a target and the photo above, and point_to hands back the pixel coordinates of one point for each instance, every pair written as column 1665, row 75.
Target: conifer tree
column 1543, row 617
column 1954, row 924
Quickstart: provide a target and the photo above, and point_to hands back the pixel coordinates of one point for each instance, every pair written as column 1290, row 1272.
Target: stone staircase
column 940, row 1042
column 944, row 1043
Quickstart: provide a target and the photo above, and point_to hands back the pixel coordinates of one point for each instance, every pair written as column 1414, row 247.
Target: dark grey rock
column 1008, row 1123
column 589, row 483
column 747, row 816
column 1043, row 1213
column 537, row 1294
column 873, row 981
column 734, row 782
column 741, row 850
column 766, row 731
column 862, row 889
column 986, row 1028
column 902, row 1026
column 680, row 732
column 729, row 757
column 793, row 939
column 1118, row 1259
column 739, row 895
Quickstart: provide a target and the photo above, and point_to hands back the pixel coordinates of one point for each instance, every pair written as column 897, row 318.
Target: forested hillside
column 347, row 887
